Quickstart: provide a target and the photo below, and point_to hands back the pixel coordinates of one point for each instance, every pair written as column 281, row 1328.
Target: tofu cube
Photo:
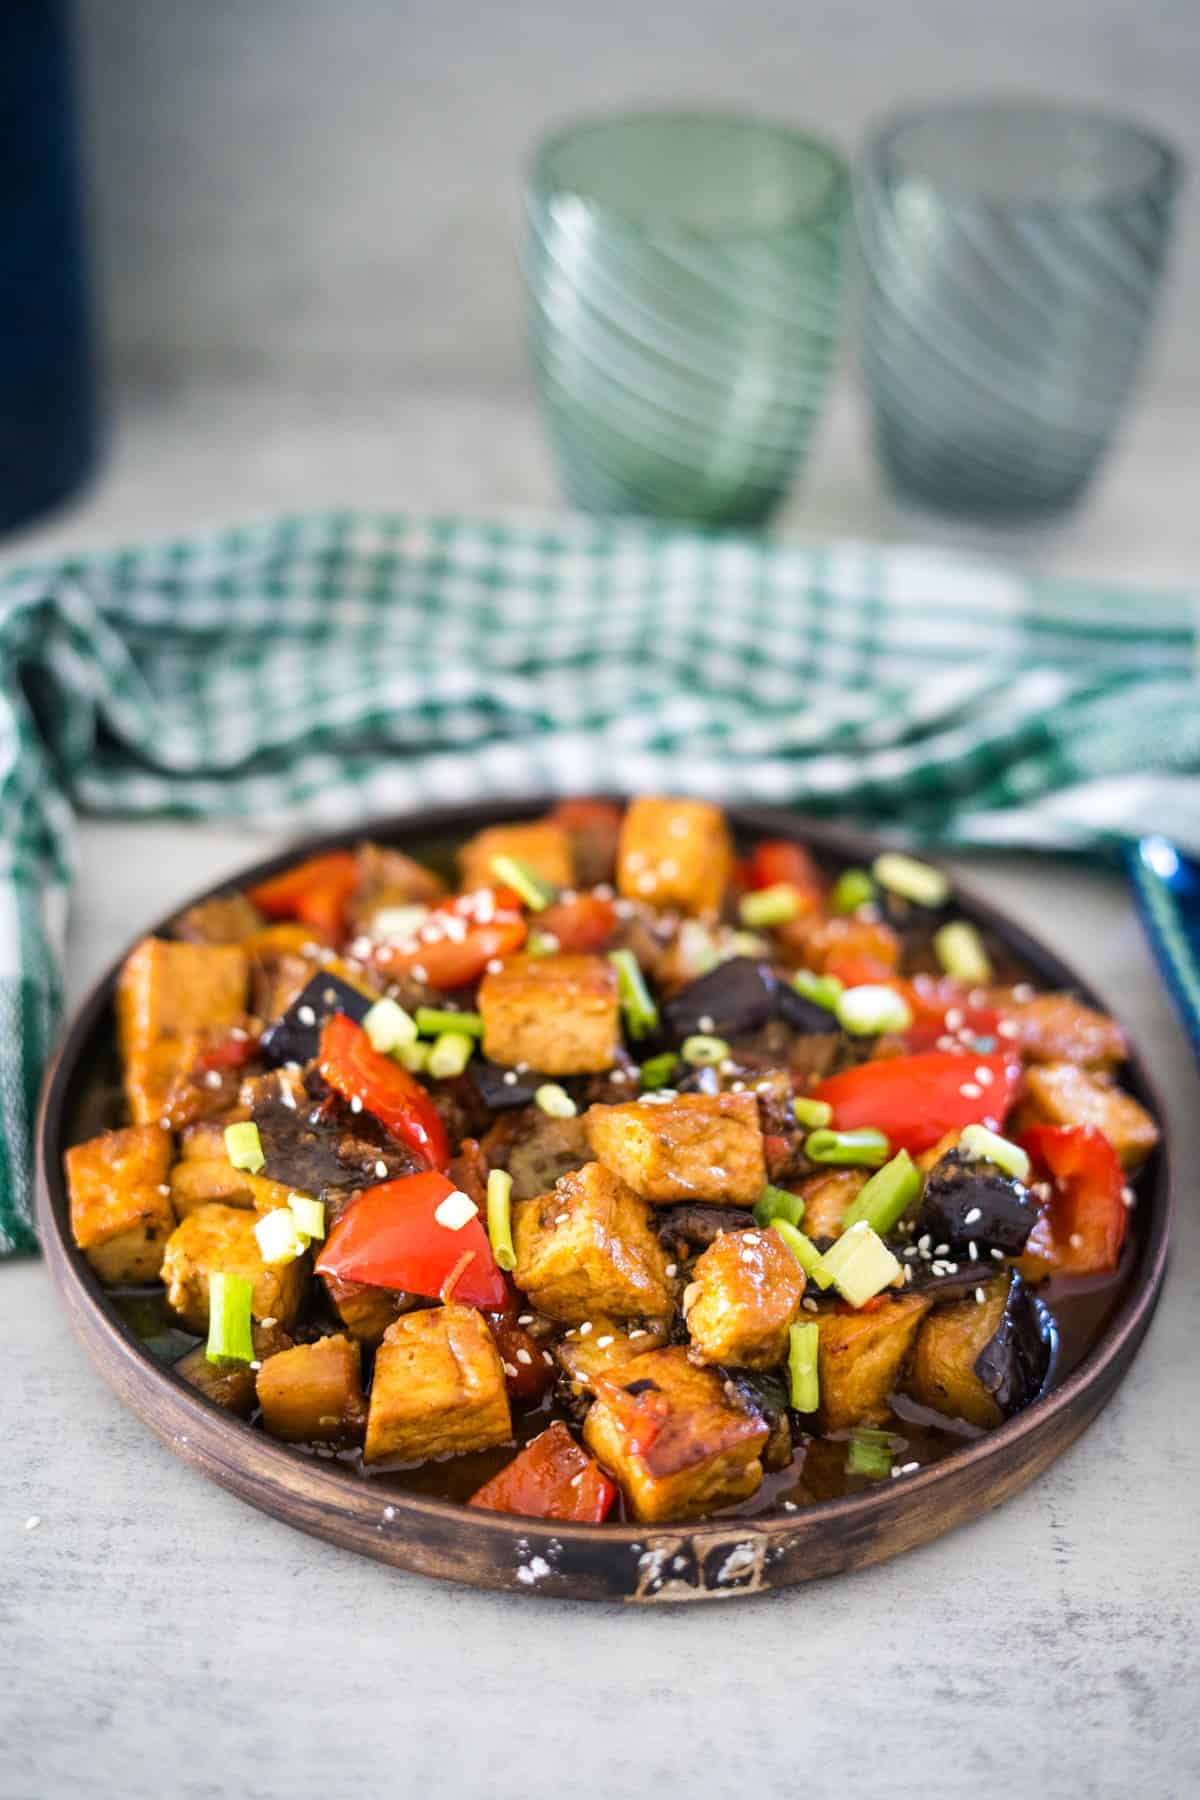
column 558, row 1014
column 742, row 1300
column 220, row 1239
column 670, row 1434
column 120, row 1209
column 365, row 1311
column 694, row 1147
column 674, row 853
column 1063, row 1094
column 861, row 1356
column 194, row 1183
column 312, row 1393
column 1054, row 1028
column 827, row 1195
column 172, row 998
column 586, row 1248
column 438, row 1388
column 609, row 1344
column 542, row 845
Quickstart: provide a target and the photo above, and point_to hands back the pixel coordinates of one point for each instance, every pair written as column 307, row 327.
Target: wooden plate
column 714, row 1560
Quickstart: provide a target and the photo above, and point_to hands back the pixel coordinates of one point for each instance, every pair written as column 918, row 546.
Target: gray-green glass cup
column 1013, row 255
column 684, row 275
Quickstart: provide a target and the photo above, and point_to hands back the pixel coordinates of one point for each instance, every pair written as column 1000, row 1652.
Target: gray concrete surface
column 304, row 217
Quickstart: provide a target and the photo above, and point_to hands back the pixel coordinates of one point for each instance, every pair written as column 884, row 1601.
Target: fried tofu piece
column 121, row 1212
column 694, row 1147
column 1063, row 1094
column 219, row 1239
column 943, row 1365
column 742, row 1299
column 674, row 853
column 438, row 1388
column 172, row 999
column 225, row 919
column 826, row 1196
column 366, row 1311
column 387, row 879
column 195, row 1181
column 558, row 1014
column 542, row 845
column 312, row 1393
column 861, row 1356
column 586, row 1248
column 673, row 1438
column 609, row 1344
column 1056, row 1028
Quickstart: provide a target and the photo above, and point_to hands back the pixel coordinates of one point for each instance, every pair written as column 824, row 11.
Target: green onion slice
column 777, row 1203
column 822, row 990
column 537, row 893
column 389, row 1027
column 803, row 1375
column 866, row 1011
column 852, row 889
column 229, row 1335
column 450, row 1054
column 977, row 1142
column 812, row 1114
column 959, row 949
column 869, row 1453
column 776, row 905
column 555, row 1101
column 433, row 1020
column 864, row 1148
column 912, row 880
column 861, row 1264
column 701, row 1051
column 414, row 1057
column 499, row 1218
column 641, row 1014
column 309, row 1214
column 657, row 1071
column 243, row 1146
column 279, row 1236
column 804, row 1251
column 886, row 1197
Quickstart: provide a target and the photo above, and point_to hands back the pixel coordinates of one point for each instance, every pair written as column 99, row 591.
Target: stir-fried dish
column 627, row 1176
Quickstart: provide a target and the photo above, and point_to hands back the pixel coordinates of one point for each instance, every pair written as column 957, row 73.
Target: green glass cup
column 684, row 277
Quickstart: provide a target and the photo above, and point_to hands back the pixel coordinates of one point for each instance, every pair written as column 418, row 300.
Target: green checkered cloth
column 313, row 672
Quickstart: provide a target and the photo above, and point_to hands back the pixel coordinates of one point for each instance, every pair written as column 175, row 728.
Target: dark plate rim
column 356, row 1500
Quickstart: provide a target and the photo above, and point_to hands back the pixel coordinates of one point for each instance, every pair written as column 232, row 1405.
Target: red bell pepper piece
column 357, row 1071
column 458, row 940
column 316, row 891
column 233, row 1053
column 776, row 861
column 389, row 1237
column 551, row 1478
column 916, row 1100
column 1083, row 1228
column 585, row 923
column 942, row 1009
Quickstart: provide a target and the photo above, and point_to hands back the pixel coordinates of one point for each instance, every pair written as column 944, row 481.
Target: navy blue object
column 47, row 401
column 1167, row 885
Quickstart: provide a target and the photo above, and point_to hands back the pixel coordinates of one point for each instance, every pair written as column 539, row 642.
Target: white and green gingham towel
column 313, row 672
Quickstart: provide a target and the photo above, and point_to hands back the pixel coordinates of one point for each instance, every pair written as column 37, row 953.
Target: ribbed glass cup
column 684, row 282
column 1013, row 256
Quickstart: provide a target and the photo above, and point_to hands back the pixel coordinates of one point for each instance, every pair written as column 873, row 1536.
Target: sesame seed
column 737, row 1087
column 970, row 1090
column 494, row 965
column 924, row 1241
column 980, row 1296
column 1023, row 993
column 635, row 859
column 561, row 1218
column 647, row 883
column 973, row 1217
column 510, row 1078
column 939, row 1268
column 585, row 1328
column 941, row 1250
column 510, row 1369
column 705, row 1022
column 748, row 1256
column 389, row 1513
column 973, row 1252
column 602, row 1343
column 355, row 1103
column 624, row 909
column 1008, row 1028
column 33, row 1521
column 808, row 1305
column 672, row 1269
column 306, row 1015
column 984, row 1076
column 691, row 1293
column 637, row 1333
column 947, row 1043
column 954, row 1019
column 419, row 972
column 524, row 1318
column 1076, row 1240
column 381, row 1168
column 164, row 1187
column 602, row 891
column 212, row 1078
column 997, row 1255
column 619, row 1076
column 523, row 1356
column 1128, row 1197
column 547, row 1358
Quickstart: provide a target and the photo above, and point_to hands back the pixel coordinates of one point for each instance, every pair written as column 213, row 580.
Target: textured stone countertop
column 156, row 1636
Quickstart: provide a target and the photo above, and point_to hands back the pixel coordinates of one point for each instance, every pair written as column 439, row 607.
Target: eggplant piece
column 497, row 1088
column 970, row 1202
column 1016, row 1365
column 736, row 999
column 296, row 1035
column 314, row 1142
column 765, row 1392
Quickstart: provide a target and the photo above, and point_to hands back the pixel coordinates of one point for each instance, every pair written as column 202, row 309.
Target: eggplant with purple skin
column 1016, row 1363
column 983, row 1359
column 737, row 998
column 972, row 1202
column 295, row 1036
